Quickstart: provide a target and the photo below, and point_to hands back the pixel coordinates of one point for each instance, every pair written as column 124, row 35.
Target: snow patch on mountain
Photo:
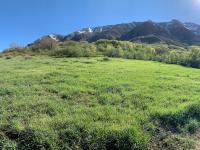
column 90, row 30
column 191, row 26
column 52, row 36
column 81, row 32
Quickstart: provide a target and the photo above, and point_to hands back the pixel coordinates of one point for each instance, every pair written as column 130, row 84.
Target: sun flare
column 196, row 2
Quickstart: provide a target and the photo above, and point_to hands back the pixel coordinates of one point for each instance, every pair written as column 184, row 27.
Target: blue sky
column 23, row 21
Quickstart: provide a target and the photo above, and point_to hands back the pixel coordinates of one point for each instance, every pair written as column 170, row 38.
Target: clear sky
column 23, row 21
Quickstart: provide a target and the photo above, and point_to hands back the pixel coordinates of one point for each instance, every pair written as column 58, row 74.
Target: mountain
column 110, row 32
column 195, row 28
column 146, row 32
column 51, row 37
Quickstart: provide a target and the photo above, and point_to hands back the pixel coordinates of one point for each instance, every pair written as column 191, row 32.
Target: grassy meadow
column 97, row 104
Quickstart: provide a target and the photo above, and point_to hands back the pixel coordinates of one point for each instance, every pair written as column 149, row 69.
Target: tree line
column 171, row 54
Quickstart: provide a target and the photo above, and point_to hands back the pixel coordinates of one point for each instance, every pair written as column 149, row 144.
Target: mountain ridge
column 149, row 32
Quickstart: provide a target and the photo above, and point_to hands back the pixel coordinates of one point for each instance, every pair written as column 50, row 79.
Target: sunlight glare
column 194, row 5
column 197, row 2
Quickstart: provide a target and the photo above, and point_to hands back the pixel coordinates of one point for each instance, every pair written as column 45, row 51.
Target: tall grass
column 96, row 103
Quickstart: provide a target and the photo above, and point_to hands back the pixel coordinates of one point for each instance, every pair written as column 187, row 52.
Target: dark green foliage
column 77, row 137
column 5, row 92
column 175, row 120
column 125, row 140
column 106, row 59
column 27, row 139
column 30, row 139
column 6, row 144
column 192, row 126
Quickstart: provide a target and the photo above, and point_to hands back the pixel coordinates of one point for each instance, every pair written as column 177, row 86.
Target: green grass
column 94, row 103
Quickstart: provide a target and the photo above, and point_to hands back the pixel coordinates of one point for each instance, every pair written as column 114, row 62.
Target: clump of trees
column 186, row 56
column 45, row 43
column 75, row 49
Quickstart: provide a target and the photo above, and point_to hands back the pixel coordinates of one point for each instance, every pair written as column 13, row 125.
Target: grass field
column 95, row 103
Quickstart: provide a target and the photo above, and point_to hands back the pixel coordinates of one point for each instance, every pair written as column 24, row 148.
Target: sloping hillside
column 97, row 103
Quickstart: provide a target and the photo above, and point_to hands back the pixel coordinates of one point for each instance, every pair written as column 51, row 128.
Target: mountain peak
column 176, row 21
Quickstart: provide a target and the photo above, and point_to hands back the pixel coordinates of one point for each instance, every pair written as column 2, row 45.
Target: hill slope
column 96, row 103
